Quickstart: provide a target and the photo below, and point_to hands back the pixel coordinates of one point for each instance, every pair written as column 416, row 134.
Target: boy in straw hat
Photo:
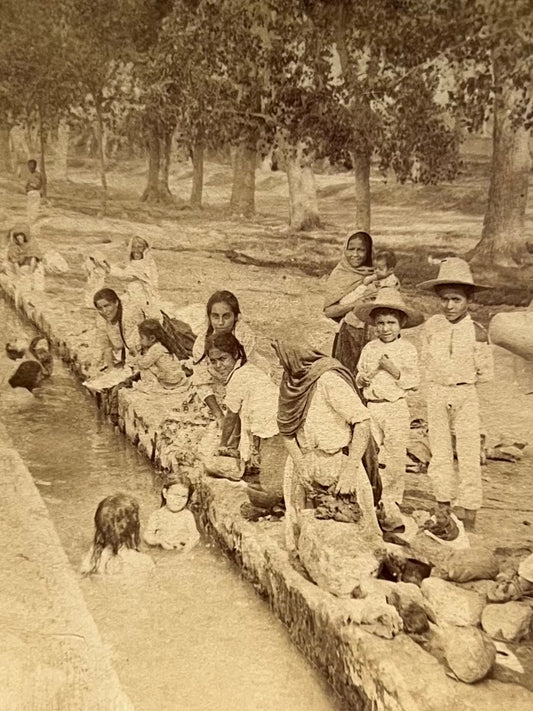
column 457, row 355
column 387, row 370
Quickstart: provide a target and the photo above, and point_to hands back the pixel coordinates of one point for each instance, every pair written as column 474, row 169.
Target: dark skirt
column 348, row 345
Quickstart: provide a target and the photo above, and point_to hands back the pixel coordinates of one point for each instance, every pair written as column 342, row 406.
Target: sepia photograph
column 266, row 358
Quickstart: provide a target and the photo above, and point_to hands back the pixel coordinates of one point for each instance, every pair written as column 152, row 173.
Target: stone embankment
column 367, row 671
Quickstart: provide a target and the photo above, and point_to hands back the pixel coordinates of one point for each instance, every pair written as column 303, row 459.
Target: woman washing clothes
column 345, row 288
column 24, row 259
column 326, row 429
column 118, row 335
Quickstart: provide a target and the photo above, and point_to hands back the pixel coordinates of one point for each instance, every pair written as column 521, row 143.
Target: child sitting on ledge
column 160, row 370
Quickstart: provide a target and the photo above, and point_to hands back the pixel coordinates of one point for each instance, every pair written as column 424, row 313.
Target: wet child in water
column 173, row 526
column 117, row 538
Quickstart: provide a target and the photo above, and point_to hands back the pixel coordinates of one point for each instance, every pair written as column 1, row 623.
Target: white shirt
column 452, row 354
column 177, row 529
column 335, row 406
column 383, row 386
column 251, row 393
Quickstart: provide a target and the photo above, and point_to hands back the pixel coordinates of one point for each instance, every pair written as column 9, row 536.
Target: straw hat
column 453, row 270
column 389, row 298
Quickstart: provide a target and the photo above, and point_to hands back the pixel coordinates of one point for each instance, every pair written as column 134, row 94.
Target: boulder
column 335, row 555
column 510, row 621
column 469, row 653
column 451, row 604
column 471, row 564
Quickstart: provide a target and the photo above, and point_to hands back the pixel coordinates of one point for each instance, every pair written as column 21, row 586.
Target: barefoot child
column 173, row 525
column 159, row 368
column 115, row 549
column 456, row 357
column 387, row 370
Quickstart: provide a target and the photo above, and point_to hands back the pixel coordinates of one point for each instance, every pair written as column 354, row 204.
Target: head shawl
column 302, row 367
column 27, row 250
column 145, row 269
column 344, row 278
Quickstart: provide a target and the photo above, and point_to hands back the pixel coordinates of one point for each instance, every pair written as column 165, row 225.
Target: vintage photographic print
column 266, row 358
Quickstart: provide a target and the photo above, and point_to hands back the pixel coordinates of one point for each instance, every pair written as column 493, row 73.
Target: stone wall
column 368, row 672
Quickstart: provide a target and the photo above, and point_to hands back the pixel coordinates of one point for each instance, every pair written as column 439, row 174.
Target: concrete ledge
column 366, row 671
column 52, row 655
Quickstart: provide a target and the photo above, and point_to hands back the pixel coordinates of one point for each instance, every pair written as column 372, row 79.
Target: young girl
column 173, row 525
column 223, row 316
column 159, row 368
column 25, row 259
column 115, row 549
column 40, row 349
column 342, row 295
column 251, row 398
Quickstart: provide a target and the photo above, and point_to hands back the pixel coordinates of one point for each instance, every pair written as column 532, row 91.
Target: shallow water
column 197, row 637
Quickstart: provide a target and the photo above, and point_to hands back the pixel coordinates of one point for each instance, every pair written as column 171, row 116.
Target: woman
column 326, row 429
column 118, row 336
column 24, row 257
column 141, row 272
column 342, row 296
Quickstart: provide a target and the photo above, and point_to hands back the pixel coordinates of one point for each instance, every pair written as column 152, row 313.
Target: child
column 384, row 276
column 387, row 370
column 251, row 397
column 40, row 349
column 173, row 525
column 115, row 549
column 159, row 368
column 456, row 357
column 25, row 259
column 96, row 269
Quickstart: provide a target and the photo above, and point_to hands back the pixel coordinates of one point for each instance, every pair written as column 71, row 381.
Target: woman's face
column 221, row 362
column 107, row 309
column 138, row 247
column 222, row 318
column 20, row 239
column 356, row 253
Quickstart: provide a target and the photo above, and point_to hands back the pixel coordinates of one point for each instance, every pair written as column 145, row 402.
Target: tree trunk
column 100, row 137
column 197, row 174
column 151, row 192
column 61, row 152
column 42, row 161
column 361, row 168
column 242, row 200
column 303, row 205
column 502, row 239
column 5, row 156
column 164, row 168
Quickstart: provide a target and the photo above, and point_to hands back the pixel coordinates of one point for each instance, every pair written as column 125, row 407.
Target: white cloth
column 251, row 393
column 335, row 406
column 33, row 204
column 176, row 529
column 451, row 353
column 383, row 386
column 455, row 407
column 393, row 425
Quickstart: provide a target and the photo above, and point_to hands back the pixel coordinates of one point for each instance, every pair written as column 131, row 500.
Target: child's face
column 356, row 252
column 20, row 239
column 138, row 247
column 222, row 318
column 146, row 340
column 176, row 497
column 221, row 362
column 387, row 325
column 382, row 270
column 454, row 302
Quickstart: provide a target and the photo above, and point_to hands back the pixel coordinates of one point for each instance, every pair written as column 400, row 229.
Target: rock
column 471, row 564
column 335, row 555
column 510, row 621
column 470, row 654
column 451, row 604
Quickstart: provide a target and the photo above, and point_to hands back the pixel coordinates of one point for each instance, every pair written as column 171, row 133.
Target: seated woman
column 142, row 275
column 40, row 350
column 24, row 258
column 223, row 316
column 251, row 403
column 160, row 370
column 118, row 337
column 22, row 386
column 326, row 429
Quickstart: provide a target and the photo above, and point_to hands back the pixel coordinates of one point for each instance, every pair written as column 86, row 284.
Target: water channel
column 198, row 637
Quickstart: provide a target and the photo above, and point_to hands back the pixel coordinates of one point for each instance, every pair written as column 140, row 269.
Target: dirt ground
column 279, row 276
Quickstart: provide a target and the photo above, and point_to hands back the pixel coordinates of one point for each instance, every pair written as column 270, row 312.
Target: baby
column 173, row 525
column 383, row 276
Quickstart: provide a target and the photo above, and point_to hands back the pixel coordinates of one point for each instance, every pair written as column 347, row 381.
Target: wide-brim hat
column 389, row 298
column 453, row 270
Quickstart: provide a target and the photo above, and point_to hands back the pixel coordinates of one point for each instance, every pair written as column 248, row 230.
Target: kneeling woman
column 251, row 402
column 326, row 429
column 118, row 337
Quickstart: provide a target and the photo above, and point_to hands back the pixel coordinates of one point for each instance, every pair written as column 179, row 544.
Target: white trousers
column 393, row 424
column 32, row 205
column 455, row 408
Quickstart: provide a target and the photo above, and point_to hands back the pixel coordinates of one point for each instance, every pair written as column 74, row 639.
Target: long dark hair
column 366, row 239
column 224, row 297
column 26, row 375
column 227, row 343
column 152, row 327
column 116, row 524
column 108, row 295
